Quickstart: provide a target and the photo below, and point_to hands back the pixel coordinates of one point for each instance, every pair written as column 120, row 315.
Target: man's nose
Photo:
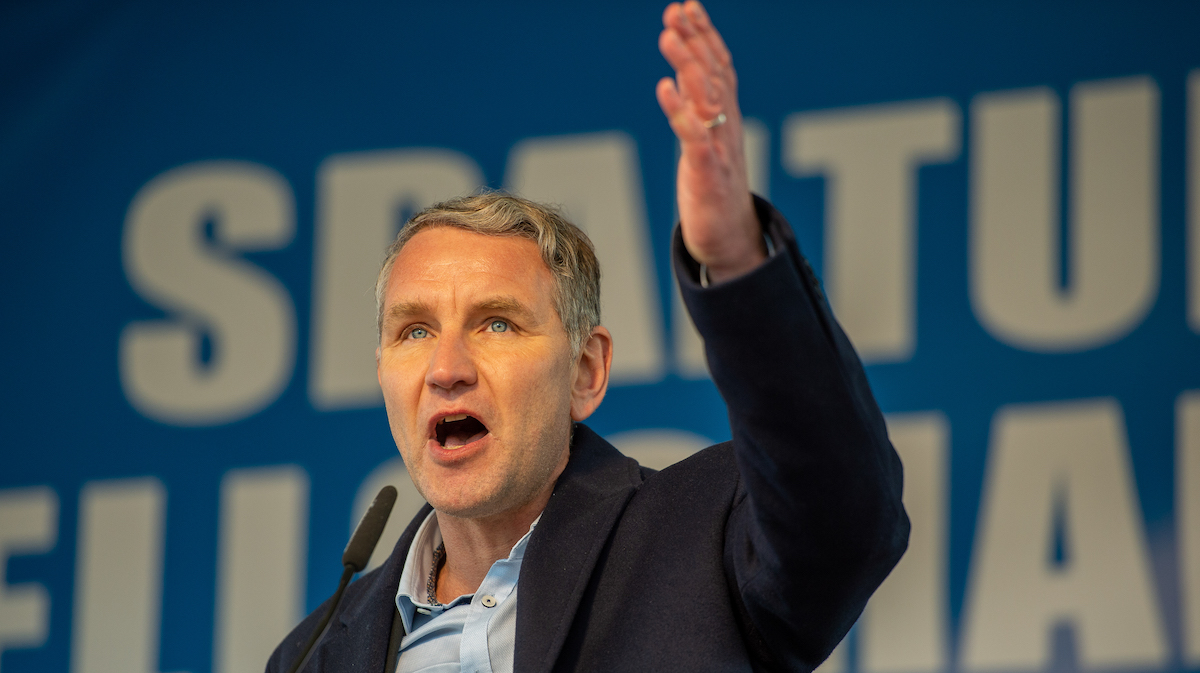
column 451, row 364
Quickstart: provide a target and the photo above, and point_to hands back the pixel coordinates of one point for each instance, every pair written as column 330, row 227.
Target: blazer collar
column 587, row 500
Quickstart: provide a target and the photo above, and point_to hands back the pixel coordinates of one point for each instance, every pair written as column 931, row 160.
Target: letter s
column 207, row 289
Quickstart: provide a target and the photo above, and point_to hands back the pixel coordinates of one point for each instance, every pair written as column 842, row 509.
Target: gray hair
column 565, row 249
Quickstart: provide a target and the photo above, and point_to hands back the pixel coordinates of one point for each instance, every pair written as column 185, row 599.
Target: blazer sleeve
column 817, row 522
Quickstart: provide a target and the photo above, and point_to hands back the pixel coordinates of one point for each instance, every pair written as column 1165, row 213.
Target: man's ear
column 591, row 374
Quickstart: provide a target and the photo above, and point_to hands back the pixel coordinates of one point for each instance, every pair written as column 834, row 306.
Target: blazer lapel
column 587, row 501
column 358, row 640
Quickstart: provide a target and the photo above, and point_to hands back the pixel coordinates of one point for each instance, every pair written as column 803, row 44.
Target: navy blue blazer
column 754, row 554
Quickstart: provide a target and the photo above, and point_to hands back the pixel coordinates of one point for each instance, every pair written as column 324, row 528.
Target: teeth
column 455, row 417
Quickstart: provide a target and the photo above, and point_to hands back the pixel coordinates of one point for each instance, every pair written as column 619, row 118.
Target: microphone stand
column 354, row 559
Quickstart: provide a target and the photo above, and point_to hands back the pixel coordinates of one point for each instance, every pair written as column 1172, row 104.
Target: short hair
column 565, row 249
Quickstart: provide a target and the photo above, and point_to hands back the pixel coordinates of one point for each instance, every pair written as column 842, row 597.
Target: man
column 546, row 549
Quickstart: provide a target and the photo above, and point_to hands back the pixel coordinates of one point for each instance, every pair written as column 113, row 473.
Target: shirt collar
column 411, row 593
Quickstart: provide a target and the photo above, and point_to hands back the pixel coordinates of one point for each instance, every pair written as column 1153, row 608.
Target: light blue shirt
column 474, row 633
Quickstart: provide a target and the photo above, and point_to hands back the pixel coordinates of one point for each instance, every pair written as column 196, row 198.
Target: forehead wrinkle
column 504, row 304
column 439, row 282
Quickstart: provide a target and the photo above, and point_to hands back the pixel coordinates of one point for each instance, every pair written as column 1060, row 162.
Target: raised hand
column 716, row 212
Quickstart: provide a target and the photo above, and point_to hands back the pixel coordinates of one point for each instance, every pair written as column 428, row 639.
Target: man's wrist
column 706, row 279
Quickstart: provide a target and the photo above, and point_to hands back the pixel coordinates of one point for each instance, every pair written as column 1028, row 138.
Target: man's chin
column 487, row 492
column 470, row 510
column 467, row 504
column 479, row 505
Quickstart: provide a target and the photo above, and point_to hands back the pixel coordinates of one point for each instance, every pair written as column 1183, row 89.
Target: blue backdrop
column 196, row 199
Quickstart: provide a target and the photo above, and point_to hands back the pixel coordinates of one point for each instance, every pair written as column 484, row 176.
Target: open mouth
column 458, row 430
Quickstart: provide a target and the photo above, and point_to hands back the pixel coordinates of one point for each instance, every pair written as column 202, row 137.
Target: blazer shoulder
column 711, row 469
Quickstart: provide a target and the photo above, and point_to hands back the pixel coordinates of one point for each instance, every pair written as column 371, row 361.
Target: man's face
column 476, row 370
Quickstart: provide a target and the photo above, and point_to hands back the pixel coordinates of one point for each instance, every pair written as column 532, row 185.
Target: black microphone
column 354, row 559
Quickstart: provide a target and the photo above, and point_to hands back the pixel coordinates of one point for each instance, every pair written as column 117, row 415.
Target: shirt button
column 488, row 601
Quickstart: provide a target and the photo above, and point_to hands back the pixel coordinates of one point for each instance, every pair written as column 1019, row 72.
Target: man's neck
column 473, row 545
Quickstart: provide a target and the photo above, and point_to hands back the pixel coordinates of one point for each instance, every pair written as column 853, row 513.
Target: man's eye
column 418, row 333
column 498, row 326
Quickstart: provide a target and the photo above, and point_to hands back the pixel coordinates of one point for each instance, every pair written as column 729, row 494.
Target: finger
column 698, row 41
column 695, row 140
column 704, row 26
column 672, row 42
column 687, row 127
column 675, row 18
column 704, row 73
column 710, row 49
column 668, row 13
column 698, row 89
column 668, row 97
column 702, row 54
column 672, row 47
column 681, row 58
column 692, row 35
column 694, row 83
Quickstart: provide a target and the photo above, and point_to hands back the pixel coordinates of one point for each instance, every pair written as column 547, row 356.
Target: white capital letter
column 839, row 659
column 1187, row 518
column 870, row 156
column 363, row 199
column 118, row 577
column 1060, row 469
column 597, row 180
column 658, row 448
column 1112, row 242
column 904, row 626
column 207, row 289
column 28, row 525
column 261, row 564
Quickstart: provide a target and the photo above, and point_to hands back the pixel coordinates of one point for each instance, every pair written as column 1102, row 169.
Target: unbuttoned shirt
column 474, row 633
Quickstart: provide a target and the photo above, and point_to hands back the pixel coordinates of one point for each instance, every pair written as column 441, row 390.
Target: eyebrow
column 404, row 309
column 502, row 304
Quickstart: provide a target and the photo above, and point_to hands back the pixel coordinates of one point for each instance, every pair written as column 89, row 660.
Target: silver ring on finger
column 716, row 121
